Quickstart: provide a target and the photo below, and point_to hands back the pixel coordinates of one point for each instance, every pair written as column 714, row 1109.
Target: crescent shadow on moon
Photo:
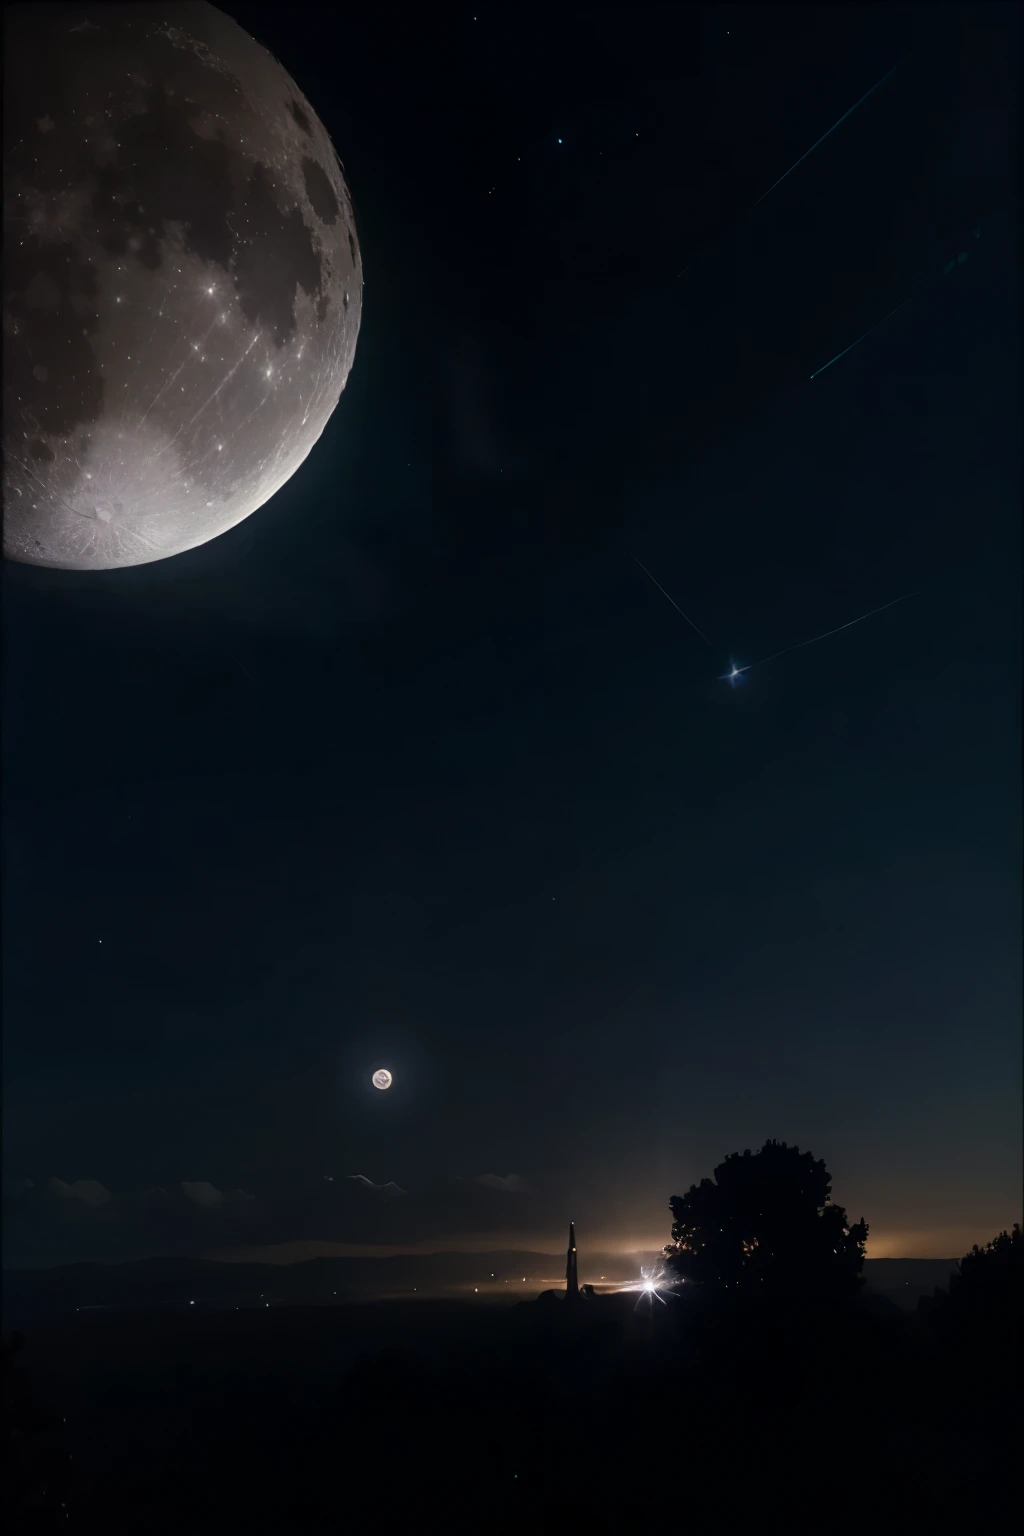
column 182, row 282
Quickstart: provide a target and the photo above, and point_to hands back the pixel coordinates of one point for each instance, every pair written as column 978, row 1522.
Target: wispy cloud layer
column 389, row 1191
column 209, row 1197
column 509, row 1183
column 89, row 1191
column 53, row 1221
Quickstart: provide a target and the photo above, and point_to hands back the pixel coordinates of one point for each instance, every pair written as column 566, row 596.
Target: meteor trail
column 738, row 671
column 793, row 167
column 824, row 136
column 951, row 266
column 865, row 336
column 672, row 600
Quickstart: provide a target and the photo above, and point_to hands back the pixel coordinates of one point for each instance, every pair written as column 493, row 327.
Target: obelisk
column 572, row 1289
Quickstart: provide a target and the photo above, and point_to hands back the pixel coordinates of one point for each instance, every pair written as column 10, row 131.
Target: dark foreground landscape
column 453, row 1415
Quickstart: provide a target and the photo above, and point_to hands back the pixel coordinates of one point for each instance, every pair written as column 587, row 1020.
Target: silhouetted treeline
column 759, row 1385
column 974, row 1327
column 292, row 1420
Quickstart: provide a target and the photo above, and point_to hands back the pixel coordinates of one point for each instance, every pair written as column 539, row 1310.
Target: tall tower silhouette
column 572, row 1290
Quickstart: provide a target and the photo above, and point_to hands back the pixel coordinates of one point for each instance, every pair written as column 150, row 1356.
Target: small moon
column 382, row 1078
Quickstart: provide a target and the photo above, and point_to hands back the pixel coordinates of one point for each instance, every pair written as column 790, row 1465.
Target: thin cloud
column 510, row 1184
column 204, row 1194
column 89, row 1191
column 389, row 1191
column 195, row 1216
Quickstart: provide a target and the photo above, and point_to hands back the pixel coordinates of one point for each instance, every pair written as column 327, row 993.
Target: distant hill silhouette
column 539, row 1414
column 38, row 1294
column 144, row 1413
column 904, row 1281
column 174, row 1281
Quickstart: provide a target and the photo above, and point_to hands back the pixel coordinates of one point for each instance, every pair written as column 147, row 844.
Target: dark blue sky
column 414, row 767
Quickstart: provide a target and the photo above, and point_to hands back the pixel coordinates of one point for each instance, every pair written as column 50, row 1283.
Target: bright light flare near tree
column 650, row 1286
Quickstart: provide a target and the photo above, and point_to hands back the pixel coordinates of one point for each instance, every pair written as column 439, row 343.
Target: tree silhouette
column 766, row 1225
column 985, row 1299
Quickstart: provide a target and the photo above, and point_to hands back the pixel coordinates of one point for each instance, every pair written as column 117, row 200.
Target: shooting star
column 848, row 113
column 951, row 266
column 239, row 665
column 824, row 136
column 672, row 600
column 865, row 336
column 737, row 672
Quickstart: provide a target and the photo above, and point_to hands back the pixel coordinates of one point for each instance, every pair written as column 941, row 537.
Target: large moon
column 182, row 282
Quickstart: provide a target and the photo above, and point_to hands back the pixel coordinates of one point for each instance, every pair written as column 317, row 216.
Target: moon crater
column 182, row 287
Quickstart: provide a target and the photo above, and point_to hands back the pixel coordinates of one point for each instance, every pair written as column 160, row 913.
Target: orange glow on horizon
column 883, row 1243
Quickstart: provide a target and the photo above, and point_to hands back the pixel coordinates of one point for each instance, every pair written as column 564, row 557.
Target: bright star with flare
column 648, row 1286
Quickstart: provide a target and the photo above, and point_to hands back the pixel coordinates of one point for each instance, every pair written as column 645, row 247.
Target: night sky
column 415, row 768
